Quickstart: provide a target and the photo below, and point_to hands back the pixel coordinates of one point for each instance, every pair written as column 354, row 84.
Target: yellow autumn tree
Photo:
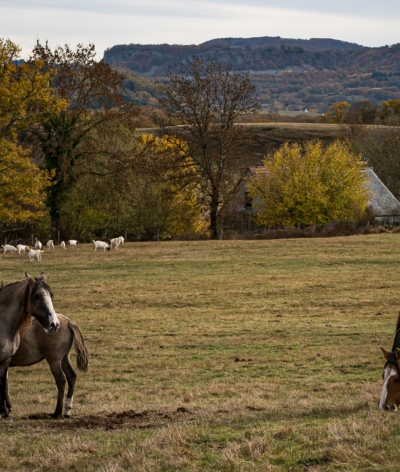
column 337, row 113
column 309, row 184
column 25, row 93
column 167, row 191
column 390, row 111
column 26, row 98
column 22, row 185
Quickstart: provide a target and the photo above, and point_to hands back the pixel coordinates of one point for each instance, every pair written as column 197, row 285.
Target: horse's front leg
column 56, row 370
column 8, row 403
column 5, row 405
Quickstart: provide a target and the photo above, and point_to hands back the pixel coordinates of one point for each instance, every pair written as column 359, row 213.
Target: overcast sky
column 366, row 22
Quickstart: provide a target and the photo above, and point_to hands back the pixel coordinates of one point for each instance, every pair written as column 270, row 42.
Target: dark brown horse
column 37, row 345
column 390, row 395
column 30, row 296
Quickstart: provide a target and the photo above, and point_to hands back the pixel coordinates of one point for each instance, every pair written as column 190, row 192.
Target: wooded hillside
column 289, row 74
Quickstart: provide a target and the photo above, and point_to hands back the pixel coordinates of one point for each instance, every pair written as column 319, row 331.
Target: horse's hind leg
column 70, row 374
column 56, row 370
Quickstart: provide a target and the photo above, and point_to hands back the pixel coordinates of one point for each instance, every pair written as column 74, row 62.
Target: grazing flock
column 36, row 251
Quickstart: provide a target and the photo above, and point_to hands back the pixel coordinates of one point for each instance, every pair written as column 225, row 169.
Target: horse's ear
column 29, row 279
column 43, row 276
column 385, row 353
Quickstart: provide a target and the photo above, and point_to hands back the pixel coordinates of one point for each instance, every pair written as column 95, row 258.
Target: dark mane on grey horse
column 41, row 284
column 396, row 341
column 2, row 287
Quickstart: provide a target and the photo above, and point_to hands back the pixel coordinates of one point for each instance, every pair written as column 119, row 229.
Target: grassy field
column 216, row 356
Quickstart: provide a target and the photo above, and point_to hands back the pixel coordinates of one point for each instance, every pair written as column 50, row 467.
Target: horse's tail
column 82, row 354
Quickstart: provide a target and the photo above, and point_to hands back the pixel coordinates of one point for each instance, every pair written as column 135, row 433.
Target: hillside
column 265, row 138
column 289, row 74
column 313, row 44
column 138, row 89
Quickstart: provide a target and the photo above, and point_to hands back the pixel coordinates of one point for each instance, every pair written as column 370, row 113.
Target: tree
column 309, row 184
column 149, row 198
column 22, row 185
column 25, row 98
column 390, row 112
column 337, row 112
column 362, row 112
column 95, row 100
column 25, row 93
column 380, row 146
column 206, row 99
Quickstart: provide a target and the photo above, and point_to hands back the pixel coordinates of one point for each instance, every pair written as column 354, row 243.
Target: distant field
column 216, row 356
column 289, row 113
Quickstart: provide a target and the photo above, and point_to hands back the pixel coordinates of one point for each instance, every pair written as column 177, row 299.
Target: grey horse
column 18, row 300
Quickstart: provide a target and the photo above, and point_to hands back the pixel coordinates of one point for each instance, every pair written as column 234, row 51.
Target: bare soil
column 116, row 420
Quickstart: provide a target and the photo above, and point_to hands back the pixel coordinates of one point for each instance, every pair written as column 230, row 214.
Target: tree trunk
column 214, row 215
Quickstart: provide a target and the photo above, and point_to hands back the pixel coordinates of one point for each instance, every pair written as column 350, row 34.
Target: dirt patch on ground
column 108, row 421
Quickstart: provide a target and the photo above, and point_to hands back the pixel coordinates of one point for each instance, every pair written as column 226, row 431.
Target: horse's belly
column 27, row 354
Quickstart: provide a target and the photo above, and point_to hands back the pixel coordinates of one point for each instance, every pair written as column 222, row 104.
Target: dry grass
column 225, row 356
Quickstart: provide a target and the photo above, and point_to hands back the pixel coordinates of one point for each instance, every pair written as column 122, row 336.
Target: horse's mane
column 396, row 342
column 39, row 283
column 2, row 287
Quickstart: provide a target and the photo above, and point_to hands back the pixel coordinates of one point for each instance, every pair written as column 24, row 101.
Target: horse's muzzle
column 53, row 327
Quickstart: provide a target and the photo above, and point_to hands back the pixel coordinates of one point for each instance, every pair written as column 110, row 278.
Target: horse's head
column 40, row 304
column 390, row 396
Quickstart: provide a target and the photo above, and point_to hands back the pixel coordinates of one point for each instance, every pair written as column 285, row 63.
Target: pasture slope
column 261, row 139
column 216, row 356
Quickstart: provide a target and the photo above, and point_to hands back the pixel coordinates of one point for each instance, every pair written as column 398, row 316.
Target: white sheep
column 114, row 243
column 22, row 248
column 9, row 248
column 38, row 245
column 50, row 244
column 121, row 240
column 35, row 253
column 101, row 245
column 62, row 244
column 72, row 242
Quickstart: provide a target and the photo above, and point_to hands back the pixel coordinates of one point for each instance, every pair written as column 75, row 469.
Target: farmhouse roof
column 382, row 200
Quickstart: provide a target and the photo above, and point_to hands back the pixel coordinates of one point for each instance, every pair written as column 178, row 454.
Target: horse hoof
column 67, row 417
column 5, row 414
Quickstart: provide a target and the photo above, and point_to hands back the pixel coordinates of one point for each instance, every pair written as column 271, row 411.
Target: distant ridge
column 265, row 55
column 313, row 44
column 289, row 74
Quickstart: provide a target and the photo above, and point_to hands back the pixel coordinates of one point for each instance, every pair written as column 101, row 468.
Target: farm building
column 237, row 213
